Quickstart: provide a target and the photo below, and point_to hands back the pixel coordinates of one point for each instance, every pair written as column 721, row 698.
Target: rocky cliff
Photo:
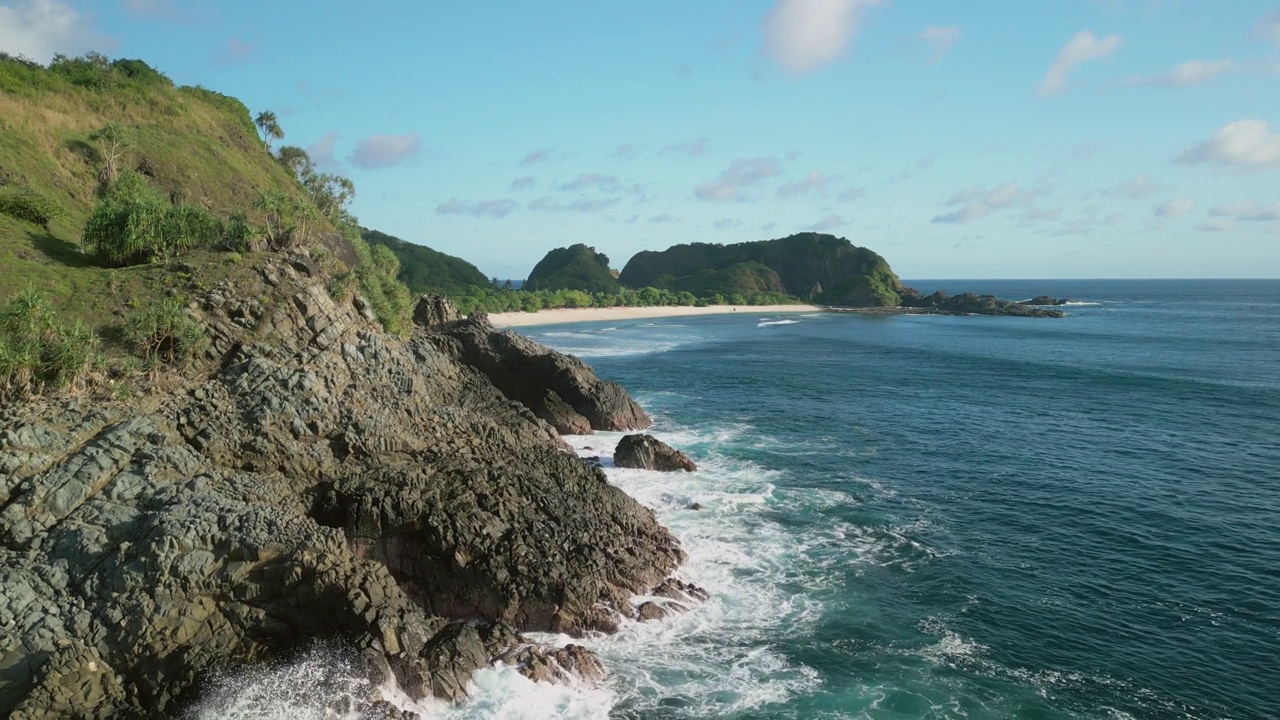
column 315, row 478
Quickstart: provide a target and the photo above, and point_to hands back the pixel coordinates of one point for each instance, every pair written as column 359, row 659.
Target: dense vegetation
column 425, row 270
column 818, row 267
column 576, row 267
column 108, row 173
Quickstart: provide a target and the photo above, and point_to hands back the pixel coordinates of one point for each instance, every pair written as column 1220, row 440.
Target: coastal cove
column 872, row 552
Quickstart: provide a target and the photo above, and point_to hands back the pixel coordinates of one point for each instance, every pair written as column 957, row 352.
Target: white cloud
column 940, row 40
column 1175, row 208
column 1083, row 47
column 523, row 183
column 600, row 183
column 815, row 183
column 742, row 173
column 804, row 35
column 379, row 151
column 1247, row 211
column 38, row 29
column 321, row 151
column 1192, row 72
column 1244, row 144
column 977, row 202
column 493, row 209
column 1269, row 26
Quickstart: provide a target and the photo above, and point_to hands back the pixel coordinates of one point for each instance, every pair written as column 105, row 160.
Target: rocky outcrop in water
column 560, row 389
column 645, row 452
column 973, row 304
column 315, row 479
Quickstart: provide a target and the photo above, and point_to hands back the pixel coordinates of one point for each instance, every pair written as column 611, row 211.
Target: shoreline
column 577, row 315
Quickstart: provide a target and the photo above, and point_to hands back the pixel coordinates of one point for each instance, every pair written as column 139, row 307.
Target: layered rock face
column 318, row 479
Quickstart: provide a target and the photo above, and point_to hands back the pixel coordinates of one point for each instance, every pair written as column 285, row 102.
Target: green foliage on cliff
column 577, row 267
column 425, row 270
column 37, row 350
column 109, row 172
column 808, row 265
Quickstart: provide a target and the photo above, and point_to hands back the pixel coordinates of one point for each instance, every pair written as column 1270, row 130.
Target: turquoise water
column 978, row 517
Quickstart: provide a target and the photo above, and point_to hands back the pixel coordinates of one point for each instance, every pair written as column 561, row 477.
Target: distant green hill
column 576, row 267
column 428, row 271
column 814, row 266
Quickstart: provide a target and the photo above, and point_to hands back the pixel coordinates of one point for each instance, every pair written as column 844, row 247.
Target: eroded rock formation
column 317, row 479
column 645, row 452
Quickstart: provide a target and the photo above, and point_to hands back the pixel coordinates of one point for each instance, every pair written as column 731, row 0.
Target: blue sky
column 992, row 138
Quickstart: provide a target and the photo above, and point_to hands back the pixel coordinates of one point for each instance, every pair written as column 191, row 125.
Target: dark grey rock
column 645, row 452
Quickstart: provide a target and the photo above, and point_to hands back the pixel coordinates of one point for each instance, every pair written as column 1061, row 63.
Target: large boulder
column 525, row 371
column 434, row 310
column 645, row 452
column 317, row 479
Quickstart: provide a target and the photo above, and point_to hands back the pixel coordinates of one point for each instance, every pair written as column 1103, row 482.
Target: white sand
column 572, row 315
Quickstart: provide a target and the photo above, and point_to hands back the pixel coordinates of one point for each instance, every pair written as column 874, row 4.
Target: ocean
column 953, row 517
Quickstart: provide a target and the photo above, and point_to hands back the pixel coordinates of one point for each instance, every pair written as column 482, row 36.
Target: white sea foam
column 770, row 323
column 1080, row 302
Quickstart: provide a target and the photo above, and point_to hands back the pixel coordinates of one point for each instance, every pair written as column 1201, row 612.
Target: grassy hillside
column 122, row 193
column 425, row 270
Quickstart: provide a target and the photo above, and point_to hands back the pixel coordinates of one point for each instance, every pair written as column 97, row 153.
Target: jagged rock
column 548, row 664
column 1045, row 300
column 681, row 591
column 318, row 479
column 525, row 371
column 695, row 506
column 650, row 611
column 645, row 452
column 434, row 310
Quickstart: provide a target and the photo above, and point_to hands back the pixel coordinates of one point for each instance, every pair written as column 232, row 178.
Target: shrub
column 134, row 224
column 29, row 206
column 164, row 333
column 37, row 353
column 92, row 70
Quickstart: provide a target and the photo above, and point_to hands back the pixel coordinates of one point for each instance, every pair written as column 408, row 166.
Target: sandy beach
column 572, row 315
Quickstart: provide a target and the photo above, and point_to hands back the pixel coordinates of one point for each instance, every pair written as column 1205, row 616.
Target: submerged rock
column 319, row 479
column 645, row 452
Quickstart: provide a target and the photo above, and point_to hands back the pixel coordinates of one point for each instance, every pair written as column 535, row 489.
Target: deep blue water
column 981, row 517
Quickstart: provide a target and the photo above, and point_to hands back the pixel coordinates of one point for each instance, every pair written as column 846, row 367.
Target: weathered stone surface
column 318, row 479
column 525, row 371
column 645, row 452
column 434, row 310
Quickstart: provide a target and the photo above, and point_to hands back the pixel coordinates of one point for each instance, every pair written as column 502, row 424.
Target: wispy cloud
column 1242, row 145
column 599, row 182
column 829, row 222
column 940, row 40
column 1082, row 47
column 663, row 218
column 688, row 148
column 1216, row 225
column 528, row 182
column 380, row 151
column 1269, row 26
column 581, row 205
column 492, row 209
column 321, row 151
column 727, row 224
column 1192, row 72
column 1139, row 188
column 852, row 194
column 1247, row 211
column 537, row 156
column 624, row 152
column 815, row 183
column 1175, row 208
column 741, row 174
column 38, row 29
column 237, row 52
column 977, row 202
column 804, row 35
